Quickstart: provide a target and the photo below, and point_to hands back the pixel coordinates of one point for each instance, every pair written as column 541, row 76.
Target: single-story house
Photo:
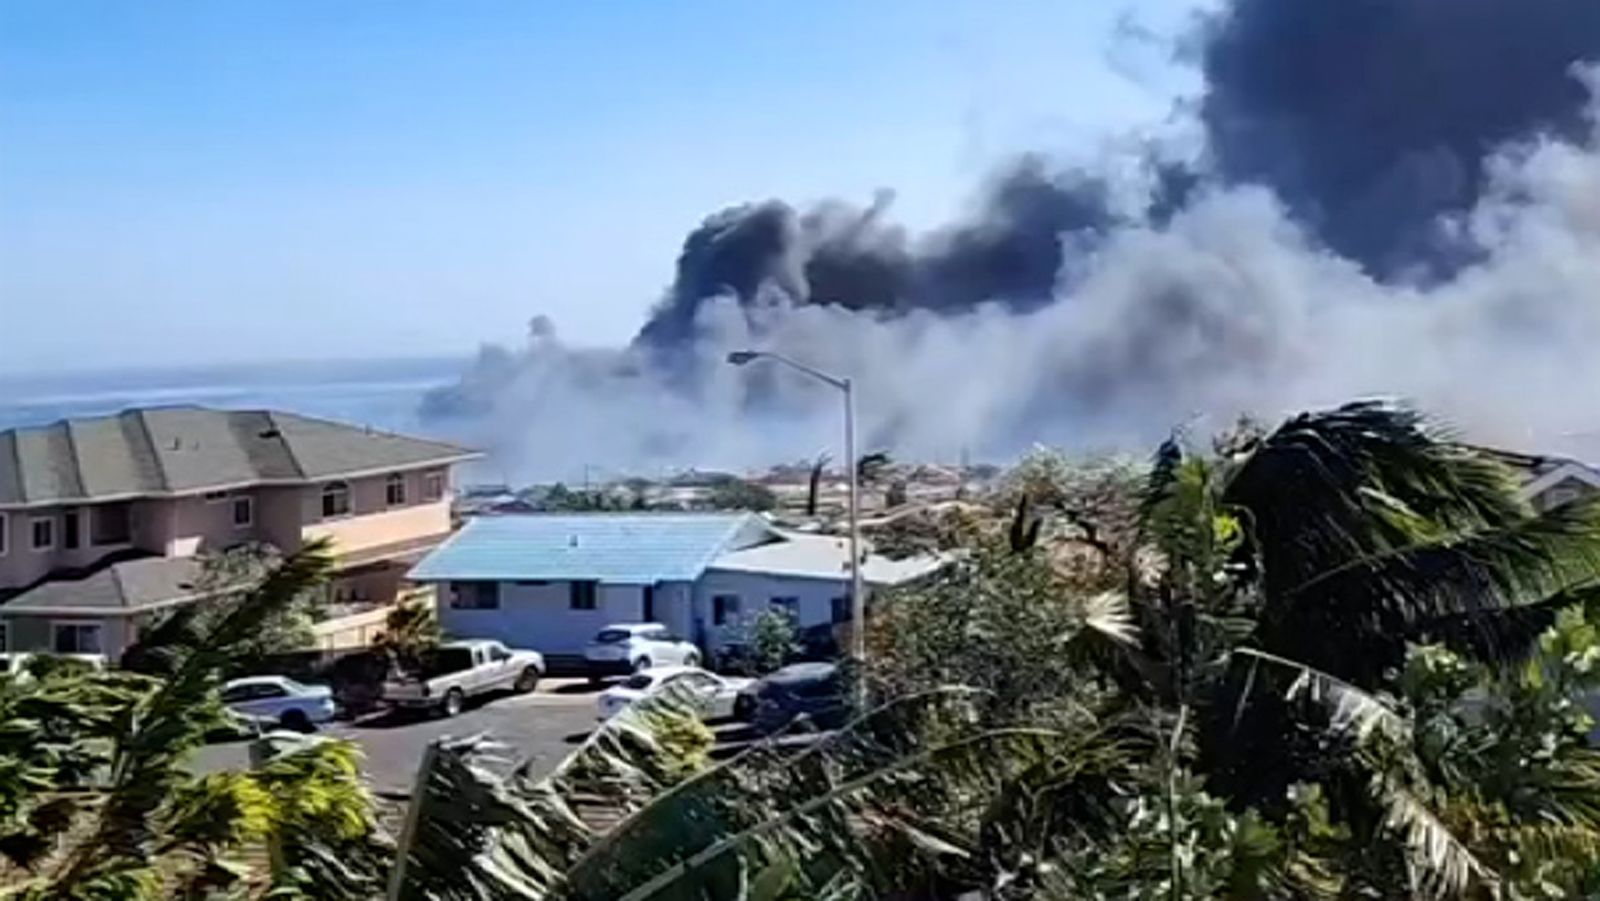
column 551, row 581
column 1548, row 481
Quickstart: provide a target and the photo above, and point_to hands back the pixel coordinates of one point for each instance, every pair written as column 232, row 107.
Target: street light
column 858, row 616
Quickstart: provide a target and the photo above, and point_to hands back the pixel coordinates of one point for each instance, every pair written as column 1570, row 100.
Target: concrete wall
column 36, row 633
column 280, row 516
column 206, row 526
column 344, row 633
column 378, row 528
column 375, row 584
column 21, row 564
column 755, row 592
column 540, row 616
column 154, row 525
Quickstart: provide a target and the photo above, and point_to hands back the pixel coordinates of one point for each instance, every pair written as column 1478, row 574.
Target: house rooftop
column 165, row 451
column 125, row 587
column 624, row 548
column 805, row 556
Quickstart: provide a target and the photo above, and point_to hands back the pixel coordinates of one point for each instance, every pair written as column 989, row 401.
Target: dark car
column 814, row 690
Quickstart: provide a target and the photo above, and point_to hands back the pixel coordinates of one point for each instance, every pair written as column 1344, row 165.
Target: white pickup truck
column 458, row 670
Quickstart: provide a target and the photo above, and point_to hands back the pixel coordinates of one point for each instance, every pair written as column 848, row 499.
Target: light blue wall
column 540, row 617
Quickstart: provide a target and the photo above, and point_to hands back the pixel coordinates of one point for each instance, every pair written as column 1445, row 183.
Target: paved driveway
column 542, row 727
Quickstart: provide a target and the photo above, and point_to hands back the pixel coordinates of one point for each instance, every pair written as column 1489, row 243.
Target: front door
column 649, row 603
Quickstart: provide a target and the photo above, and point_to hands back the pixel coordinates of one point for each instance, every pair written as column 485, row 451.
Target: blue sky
column 187, row 182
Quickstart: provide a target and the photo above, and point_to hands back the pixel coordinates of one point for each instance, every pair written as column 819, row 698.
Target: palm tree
column 1286, row 699
column 1300, row 569
column 149, row 829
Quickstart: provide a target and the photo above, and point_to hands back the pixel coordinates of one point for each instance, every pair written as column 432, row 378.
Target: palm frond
column 479, row 835
column 793, row 830
column 1440, row 864
column 1371, row 526
column 804, row 819
column 1110, row 616
column 1351, row 709
column 154, row 735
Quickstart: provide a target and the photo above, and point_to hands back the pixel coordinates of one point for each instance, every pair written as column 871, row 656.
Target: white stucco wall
column 541, row 617
column 756, row 591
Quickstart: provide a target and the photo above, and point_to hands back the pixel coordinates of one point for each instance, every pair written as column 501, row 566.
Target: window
column 69, row 529
column 394, row 490
column 244, row 512
column 649, row 598
column 76, row 638
column 335, row 500
column 476, row 596
column 724, row 609
column 5, row 533
column 5, row 637
column 110, row 524
column 582, row 595
column 44, row 533
column 254, row 691
column 841, row 609
column 432, row 486
column 789, row 605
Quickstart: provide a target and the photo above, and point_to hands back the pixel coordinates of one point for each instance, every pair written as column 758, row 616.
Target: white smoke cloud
column 1227, row 308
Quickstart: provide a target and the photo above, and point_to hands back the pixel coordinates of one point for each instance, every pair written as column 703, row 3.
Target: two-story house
column 102, row 519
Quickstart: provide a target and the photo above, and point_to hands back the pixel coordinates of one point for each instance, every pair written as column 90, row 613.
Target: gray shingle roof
column 124, row 587
column 168, row 450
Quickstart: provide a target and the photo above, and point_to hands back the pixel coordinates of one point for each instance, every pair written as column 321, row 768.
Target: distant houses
column 551, row 581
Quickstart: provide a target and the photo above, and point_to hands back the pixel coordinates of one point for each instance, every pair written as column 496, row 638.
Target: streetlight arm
column 743, row 357
column 858, row 611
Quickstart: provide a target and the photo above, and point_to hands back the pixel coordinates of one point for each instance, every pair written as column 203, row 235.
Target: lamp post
column 858, row 617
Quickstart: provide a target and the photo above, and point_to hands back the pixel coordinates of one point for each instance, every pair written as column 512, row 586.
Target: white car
column 718, row 694
column 631, row 647
column 279, row 701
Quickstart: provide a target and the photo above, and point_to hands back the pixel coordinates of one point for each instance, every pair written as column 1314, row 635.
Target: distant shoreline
column 383, row 392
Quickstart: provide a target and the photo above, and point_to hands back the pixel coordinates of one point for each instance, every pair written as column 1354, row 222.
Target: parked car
column 816, row 690
column 718, row 694
column 458, row 670
column 631, row 647
column 279, row 701
column 17, row 664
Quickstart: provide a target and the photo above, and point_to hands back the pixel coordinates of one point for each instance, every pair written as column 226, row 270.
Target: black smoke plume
column 1371, row 119
column 1389, row 196
column 1011, row 252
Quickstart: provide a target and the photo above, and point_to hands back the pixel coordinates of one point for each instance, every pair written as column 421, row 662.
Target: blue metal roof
column 629, row 548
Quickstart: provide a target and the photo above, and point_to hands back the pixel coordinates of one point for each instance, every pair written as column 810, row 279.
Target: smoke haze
column 1394, row 196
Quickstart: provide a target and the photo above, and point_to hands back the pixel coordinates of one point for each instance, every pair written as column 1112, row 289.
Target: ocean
column 385, row 394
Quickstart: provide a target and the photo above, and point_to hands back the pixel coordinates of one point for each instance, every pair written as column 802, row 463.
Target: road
column 542, row 727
